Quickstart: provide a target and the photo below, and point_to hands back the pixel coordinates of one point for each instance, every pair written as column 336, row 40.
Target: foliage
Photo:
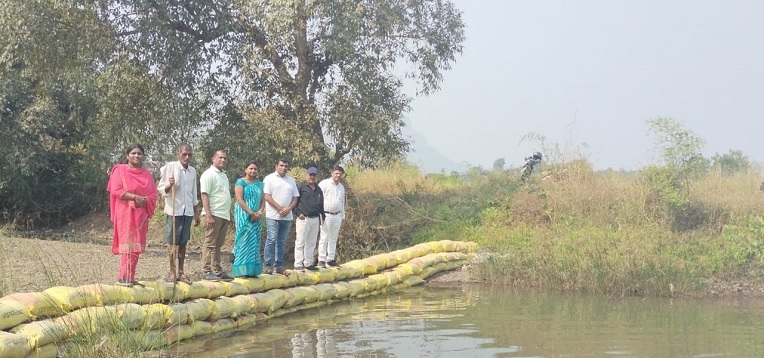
column 732, row 162
column 499, row 163
column 680, row 148
column 317, row 81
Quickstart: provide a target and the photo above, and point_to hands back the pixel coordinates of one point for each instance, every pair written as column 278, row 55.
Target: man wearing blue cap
column 308, row 216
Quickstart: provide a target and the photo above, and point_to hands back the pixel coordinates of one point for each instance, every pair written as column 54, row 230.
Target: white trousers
column 330, row 230
column 305, row 245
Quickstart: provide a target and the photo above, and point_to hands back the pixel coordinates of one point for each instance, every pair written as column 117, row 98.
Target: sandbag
column 178, row 314
column 378, row 261
column 413, row 281
column 197, row 289
column 283, row 311
column 246, row 320
column 99, row 293
column 325, row 291
column 223, row 325
column 112, row 295
column 166, row 291
column 224, row 308
column 179, row 333
column 253, row 285
column 12, row 313
column 216, row 289
column 152, row 339
column 342, row 290
column 244, row 304
column 357, row 287
column 71, row 298
column 202, row 328
column 131, row 315
column 401, row 256
column 234, row 288
column 327, row 275
column 273, row 281
column 46, row 351
column 291, row 280
column 270, row 301
column 39, row 304
column 90, row 319
column 308, row 277
column 144, row 295
column 420, row 250
column 347, row 272
column 14, row 345
column 392, row 260
column 393, row 277
column 43, row 332
column 155, row 316
column 297, row 295
column 200, row 309
column 342, row 273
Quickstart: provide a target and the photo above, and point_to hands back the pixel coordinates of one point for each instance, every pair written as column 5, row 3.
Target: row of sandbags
column 163, row 313
column 56, row 301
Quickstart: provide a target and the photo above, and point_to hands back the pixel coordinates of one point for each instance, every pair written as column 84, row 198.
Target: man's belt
column 331, row 213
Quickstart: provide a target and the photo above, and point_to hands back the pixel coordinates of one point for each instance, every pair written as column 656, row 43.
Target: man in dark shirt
column 309, row 213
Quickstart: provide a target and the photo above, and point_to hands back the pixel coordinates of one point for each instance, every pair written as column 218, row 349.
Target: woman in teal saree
column 248, row 210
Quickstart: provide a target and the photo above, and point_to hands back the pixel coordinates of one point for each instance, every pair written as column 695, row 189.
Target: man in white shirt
column 281, row 194
column 334, row 209
column 216, row 200
column 177, row 184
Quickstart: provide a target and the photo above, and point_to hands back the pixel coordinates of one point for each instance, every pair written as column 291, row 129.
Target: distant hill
column 426, row 157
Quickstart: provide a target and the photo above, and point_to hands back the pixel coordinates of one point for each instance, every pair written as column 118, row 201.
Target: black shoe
column 209, row 276
column 279, row 270
column 321, row 264
column 224, row 277
column 299, row 269
column 332, row 263
column 124, row 283
column 312, row 268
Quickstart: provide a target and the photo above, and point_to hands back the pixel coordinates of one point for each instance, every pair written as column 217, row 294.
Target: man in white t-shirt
column 334, row 209
column 281, row 196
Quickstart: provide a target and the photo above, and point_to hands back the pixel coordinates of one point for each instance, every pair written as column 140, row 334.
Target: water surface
column 478, row 321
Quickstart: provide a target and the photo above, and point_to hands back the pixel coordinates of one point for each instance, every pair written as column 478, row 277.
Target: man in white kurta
column 334, row 209
column 177, row 184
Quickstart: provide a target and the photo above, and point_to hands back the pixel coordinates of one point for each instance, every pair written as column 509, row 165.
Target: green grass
column 581, row 230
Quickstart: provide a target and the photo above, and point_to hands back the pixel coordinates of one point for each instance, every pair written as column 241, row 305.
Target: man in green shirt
column 216, row 200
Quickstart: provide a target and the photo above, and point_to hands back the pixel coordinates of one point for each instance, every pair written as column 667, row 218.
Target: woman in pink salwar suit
column 132, row 200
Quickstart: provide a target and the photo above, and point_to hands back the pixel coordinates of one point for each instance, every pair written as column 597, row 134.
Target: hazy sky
column 592, row 73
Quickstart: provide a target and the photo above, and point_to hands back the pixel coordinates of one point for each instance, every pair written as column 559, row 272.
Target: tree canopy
column 313, row 81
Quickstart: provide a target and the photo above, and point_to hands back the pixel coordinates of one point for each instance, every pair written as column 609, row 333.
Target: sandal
column 183, row 278
column 171, row 277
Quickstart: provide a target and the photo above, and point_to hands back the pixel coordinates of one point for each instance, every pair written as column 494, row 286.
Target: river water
column 478, row 321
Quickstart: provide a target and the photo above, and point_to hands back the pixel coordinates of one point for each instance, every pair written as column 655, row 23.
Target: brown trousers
column 213, row 239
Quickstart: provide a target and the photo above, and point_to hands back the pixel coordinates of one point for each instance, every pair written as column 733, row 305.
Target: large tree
column 315, row 80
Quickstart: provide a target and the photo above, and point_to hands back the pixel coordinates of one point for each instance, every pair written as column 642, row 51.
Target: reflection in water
column 318, row 343
column 484, row 322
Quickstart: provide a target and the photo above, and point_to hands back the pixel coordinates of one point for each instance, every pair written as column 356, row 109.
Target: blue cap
column 312, row 170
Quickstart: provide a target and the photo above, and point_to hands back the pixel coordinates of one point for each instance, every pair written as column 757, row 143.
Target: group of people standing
column 317, row 207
